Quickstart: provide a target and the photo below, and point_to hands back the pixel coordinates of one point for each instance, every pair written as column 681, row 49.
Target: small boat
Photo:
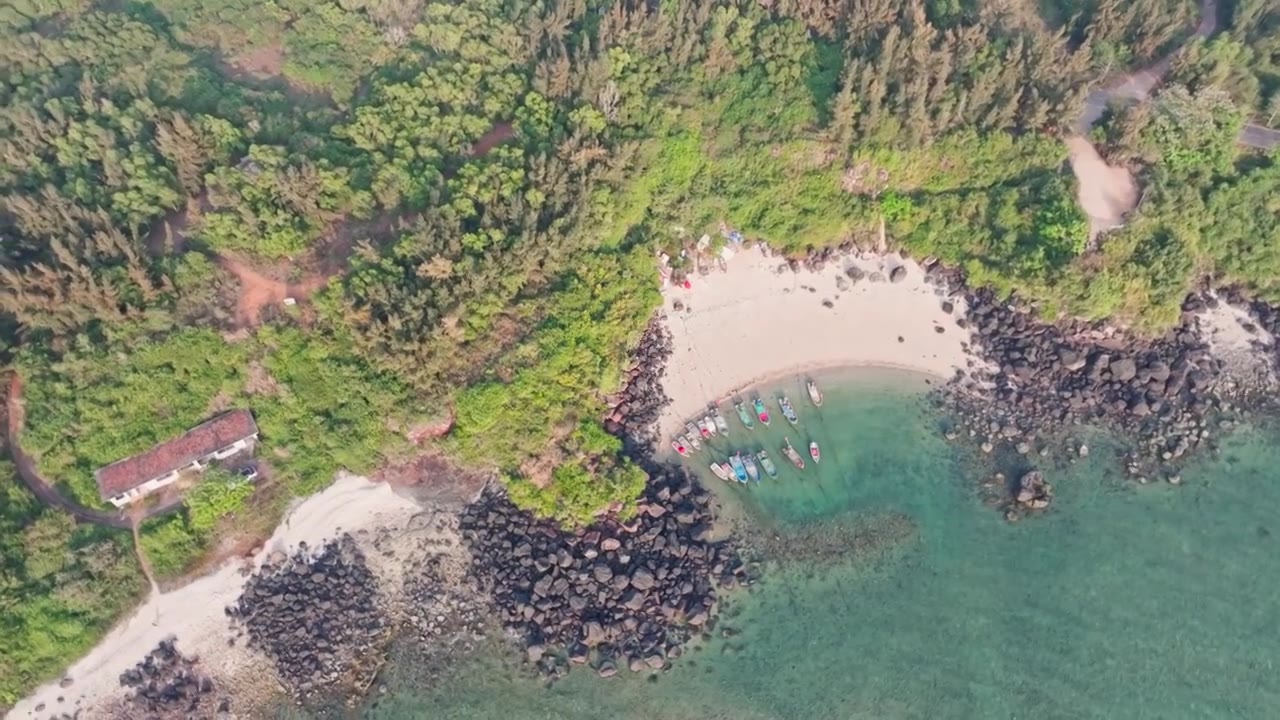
column 814, row 393
column 814, row 452
column 761, row 413
column 681, row 446
column 767, row 463
column 721, row 424
column 739, row 470
column 721, row 471
column 693, row 435
column 788, row 412
column 753, row 471
column 792, row 455
column 744, row 416
column 706, row 427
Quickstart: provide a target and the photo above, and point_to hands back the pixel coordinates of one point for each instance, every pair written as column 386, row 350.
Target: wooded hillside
column 466, row 197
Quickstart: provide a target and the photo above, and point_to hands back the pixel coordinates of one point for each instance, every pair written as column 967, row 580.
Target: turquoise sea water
column 1122, row 602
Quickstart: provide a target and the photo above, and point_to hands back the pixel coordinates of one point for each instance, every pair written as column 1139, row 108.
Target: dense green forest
column 471, row 194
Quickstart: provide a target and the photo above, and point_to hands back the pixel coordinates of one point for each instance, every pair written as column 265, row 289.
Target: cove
column 1123, row 601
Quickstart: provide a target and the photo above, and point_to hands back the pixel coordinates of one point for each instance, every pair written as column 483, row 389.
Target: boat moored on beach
column 744, row 415
column 767, row 463
column 721, row 471
column 721, row 424
column 761, row 413
column 792, row 455
column 814, row 452
column 707, row 427
column 788, row 411
column 692, row 432
column 739, row 469
column 681, row 446
column 815, row 395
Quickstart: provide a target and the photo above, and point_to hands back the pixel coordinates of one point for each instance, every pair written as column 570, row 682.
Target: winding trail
column 1138, row 86
column 30, row 476
column 27, row 471
column 1108, row 193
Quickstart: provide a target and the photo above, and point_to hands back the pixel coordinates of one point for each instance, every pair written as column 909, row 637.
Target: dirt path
column 1108, row 193
column 30, row 476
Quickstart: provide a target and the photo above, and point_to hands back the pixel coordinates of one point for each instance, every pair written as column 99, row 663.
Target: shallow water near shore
column 1122, row 601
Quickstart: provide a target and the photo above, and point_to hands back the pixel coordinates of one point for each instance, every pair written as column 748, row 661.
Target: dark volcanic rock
column 643, row 598
column 1163, row 393
column 315, row 615
column 636, row 408
column 168, row 684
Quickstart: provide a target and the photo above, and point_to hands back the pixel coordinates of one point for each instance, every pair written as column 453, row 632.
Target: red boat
column 814, row 452
column 680, row 447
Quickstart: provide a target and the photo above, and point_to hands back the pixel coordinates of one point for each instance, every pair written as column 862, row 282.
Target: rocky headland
column 624, row 593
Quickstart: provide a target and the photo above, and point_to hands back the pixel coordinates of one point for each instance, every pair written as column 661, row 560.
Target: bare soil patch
column 265, row 61
column 497, row 135
column 1106, row 193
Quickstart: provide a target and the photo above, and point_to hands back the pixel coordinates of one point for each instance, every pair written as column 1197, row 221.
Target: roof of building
column 207, row 437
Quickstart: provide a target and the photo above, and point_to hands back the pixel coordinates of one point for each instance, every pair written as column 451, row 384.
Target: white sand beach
column 194, row 614
column 752, row 322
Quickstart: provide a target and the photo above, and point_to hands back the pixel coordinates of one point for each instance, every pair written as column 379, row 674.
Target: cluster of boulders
column 315, row 614
column 1034, row 492
column 168, row 684
column 1164, row 393
column 620, row 593
column 633, row 414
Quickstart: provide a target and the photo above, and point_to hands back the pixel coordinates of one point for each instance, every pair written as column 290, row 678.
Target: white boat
column 814, row 393
column 720, row 470
column 693, row 434
column 710, row 425
column 721, row 424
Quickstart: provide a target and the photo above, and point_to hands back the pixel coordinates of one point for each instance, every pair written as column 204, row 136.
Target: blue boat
column 739, row 469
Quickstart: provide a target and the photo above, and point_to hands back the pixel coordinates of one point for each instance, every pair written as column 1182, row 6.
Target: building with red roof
column 133, row 478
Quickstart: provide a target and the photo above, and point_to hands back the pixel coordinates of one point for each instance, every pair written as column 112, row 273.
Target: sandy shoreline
column 195, row 613
column 753, row 323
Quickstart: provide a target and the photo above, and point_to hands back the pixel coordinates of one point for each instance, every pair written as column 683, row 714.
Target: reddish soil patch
column 497, row 135
column 427, row 431
column 258, row 291
column 431, row 477
column 263, row 61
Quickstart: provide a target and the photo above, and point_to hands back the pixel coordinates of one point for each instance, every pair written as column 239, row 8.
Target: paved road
column 1137, row 86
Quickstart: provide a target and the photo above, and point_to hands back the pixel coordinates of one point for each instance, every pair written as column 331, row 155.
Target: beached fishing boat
column 681, row 446
column 761, row 413
column 707, row 427
column 739, row 469
column 721, row 471
column 753, row 471
column 814, row 393
column 788, row 412
column 693, row 433
column 814, row 452
column 767, row 463
column 721, row 424
column 792, row 455
column 745, row 416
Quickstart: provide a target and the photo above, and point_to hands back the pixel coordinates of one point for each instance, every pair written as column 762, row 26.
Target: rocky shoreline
column 1034, row 382
column 318, row 615
column 618, row 594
